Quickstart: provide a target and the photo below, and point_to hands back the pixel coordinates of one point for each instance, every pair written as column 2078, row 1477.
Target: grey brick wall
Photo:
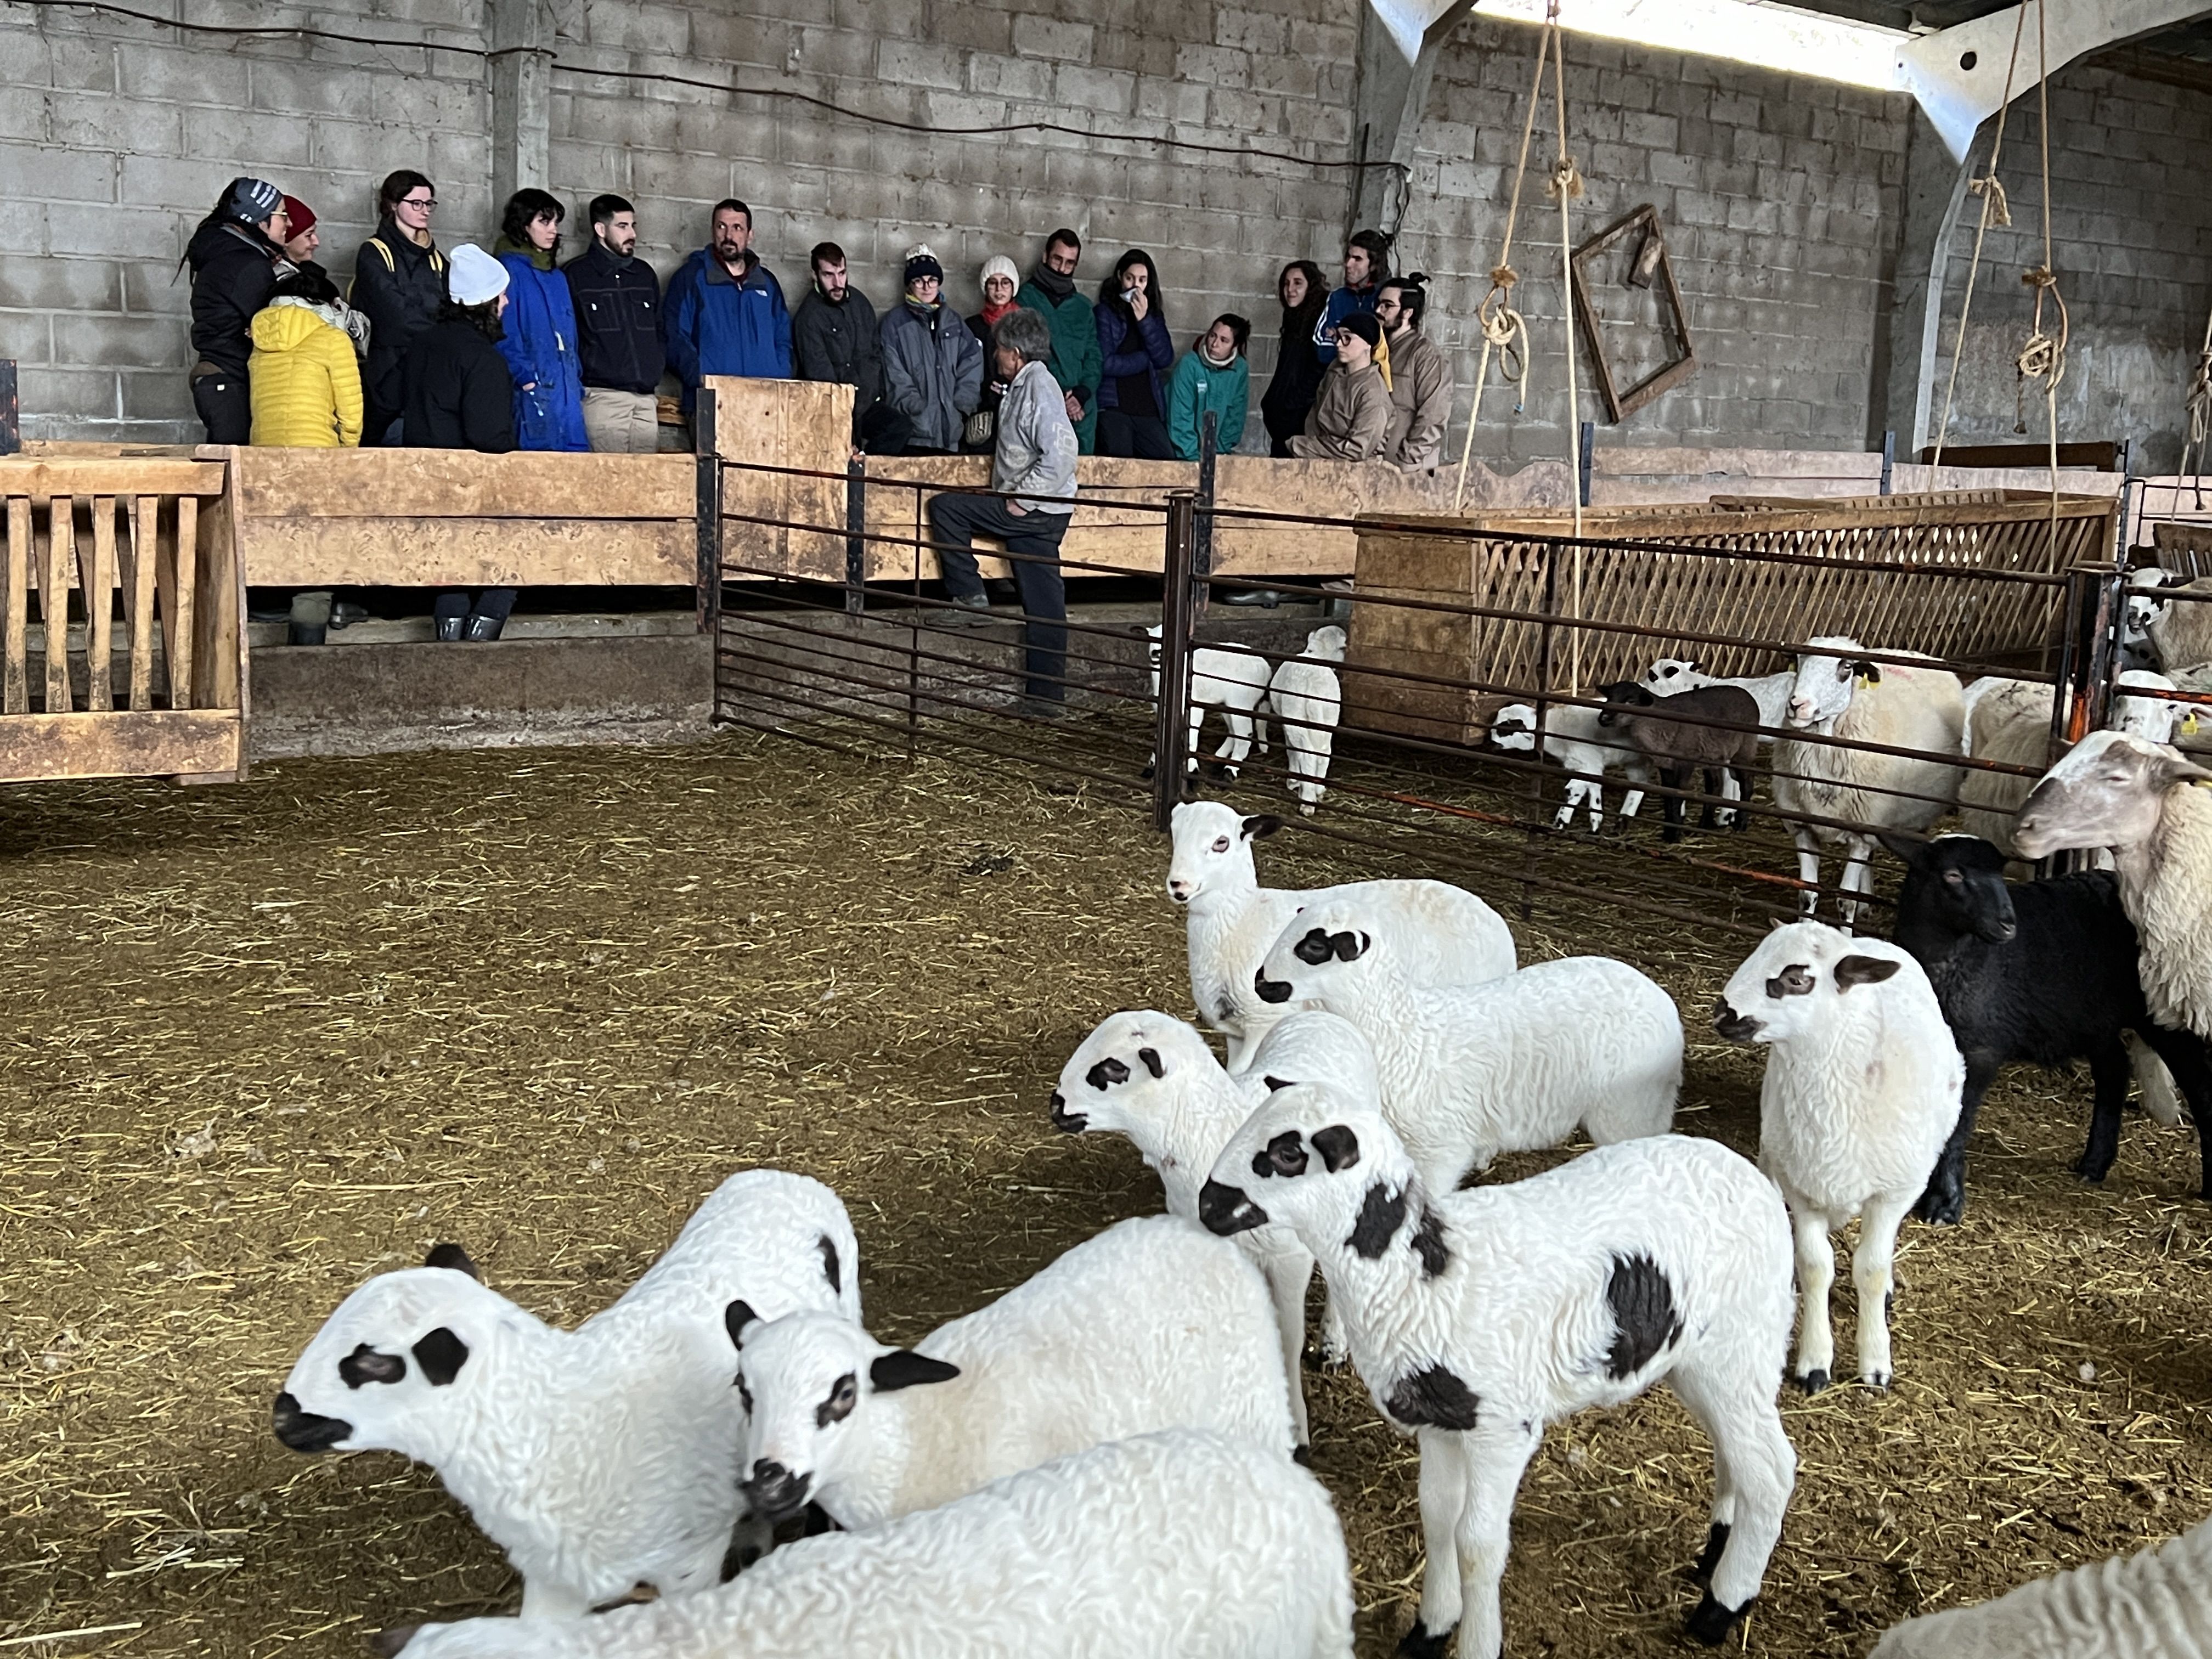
column 2131, row 225
column 1779, row 196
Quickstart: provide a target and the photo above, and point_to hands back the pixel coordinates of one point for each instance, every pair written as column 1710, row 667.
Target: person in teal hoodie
column 538, row 330
column 1075, row 361
column 1211, row 376
column 725, row 310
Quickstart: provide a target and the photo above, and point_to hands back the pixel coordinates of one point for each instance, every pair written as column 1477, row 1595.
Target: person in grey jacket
column 933, row 367
column 1033, row 470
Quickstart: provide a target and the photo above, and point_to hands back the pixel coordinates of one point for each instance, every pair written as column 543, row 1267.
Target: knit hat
column 1363, row 324
column 999, row 266
column 252, row 200
column 921, row 261
column 473, row 277
column 301, row 216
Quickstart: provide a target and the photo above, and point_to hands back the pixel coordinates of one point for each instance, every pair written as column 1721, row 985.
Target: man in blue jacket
column 725, row 311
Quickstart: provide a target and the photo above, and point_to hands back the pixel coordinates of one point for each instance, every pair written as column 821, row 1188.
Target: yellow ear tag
column 1861, row 682
column 2189, row 724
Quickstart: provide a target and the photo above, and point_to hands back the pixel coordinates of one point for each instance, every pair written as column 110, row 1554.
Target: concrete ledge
column 379, row 699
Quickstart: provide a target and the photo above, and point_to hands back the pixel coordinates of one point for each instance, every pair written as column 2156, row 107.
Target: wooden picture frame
column 1651, row 268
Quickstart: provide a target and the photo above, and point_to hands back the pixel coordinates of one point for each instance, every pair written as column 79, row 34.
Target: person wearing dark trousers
column 1304, row 294
column 235, row 254
column 398, row 284
column 1033, row 468
column 836, row 336
column 1135, row 353
column 461, row 395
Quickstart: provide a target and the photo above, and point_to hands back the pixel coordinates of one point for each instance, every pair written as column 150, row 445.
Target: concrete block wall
column 2131, row 226
column 1779, row 199
column 117, row 136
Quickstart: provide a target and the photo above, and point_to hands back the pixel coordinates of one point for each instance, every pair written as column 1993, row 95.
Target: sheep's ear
column 735, row 1317
column 1697, row 668
column 903, row 1368
column 454, row 1257
column 1869, row 673
column 1863, row 970
column 1903, row 847
column 441, row 1355
column 2167, row 770
column 1260, row 828
column 1338, row 1146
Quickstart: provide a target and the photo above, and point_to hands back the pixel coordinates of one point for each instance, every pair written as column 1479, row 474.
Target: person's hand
column 1074, row 407
column 1139, row 305
column 1018, row 509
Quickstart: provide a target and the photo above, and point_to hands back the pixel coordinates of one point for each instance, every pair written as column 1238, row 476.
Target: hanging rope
column 2198, row 407
column 1566, row 184
column 2044, row 357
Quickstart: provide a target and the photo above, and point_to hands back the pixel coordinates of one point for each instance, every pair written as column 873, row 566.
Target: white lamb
column 2143, row 607
column 1233, row 680
column 1839, row 695
column 1167, row 1544
column 1305, row 697
column 1479, row 1317
column 1863, row 1083
column 2154, row 1604
column 598, row 1459
column 1453, row 938
column 1150, row 1325
column 1471, row 1071
column 1573, row 737
column 1150, row 1076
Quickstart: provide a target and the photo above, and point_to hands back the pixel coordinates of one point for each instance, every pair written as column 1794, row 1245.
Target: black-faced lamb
column 598, row 1459
column 1572, row 738
column 1149, row 1325
column 1669, row 736
column 1840, row 693
column 1167, row 1543
column 1232, row 920
column 1150, row 1077
column 1862, row 1090
column 1471, row 1071
column 2043, row 972
column 1477, row 1318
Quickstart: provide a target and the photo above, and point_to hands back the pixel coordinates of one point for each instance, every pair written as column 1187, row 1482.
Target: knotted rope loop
column 2000, row 208
column 1504, row 328
column 1566, row 180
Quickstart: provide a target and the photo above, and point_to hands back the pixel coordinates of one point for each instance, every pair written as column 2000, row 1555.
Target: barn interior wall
column 1781, row 195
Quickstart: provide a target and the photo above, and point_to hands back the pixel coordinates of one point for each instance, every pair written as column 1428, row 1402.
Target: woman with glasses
column 398, row 283
column 1350, row 420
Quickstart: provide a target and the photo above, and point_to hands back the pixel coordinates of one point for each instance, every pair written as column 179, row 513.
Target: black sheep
column 1677, row 747
column 2045, row 971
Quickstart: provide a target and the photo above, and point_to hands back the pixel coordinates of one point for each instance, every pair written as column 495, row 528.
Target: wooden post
column 53, row 598
column 14, row 678
column 182, row 568
column 97, row 584
column 139, row 574
column 709, row 509
column 1209, row 440
column 11, row 425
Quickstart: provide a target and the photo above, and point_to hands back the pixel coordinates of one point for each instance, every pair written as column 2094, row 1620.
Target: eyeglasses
column 420, row 205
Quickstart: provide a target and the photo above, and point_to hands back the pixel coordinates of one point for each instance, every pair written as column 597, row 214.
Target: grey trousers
column 620, row 423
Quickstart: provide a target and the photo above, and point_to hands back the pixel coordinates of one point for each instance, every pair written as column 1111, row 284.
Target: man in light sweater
column 1033, row 469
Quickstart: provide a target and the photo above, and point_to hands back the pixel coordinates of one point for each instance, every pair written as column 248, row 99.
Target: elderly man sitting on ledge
column 1033, row 469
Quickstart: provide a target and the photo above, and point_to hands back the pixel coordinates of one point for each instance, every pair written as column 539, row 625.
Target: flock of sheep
column 1106, row 1460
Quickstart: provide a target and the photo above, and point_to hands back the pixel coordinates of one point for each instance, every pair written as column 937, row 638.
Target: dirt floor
column 262, row 1042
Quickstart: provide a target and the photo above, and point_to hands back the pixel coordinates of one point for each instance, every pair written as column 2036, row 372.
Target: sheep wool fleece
column 1174, row 1543
column 2163, row 886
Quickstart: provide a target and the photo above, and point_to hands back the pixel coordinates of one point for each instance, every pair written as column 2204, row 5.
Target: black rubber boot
column 482, row 627
column 451, row 614
column 309, row 616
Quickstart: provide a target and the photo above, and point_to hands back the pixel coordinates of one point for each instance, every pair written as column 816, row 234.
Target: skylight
column 1746, row 31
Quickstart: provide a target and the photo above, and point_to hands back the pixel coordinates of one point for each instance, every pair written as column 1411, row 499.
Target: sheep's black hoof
column 2094, row 1169
column 1302, row 1456
column 1941, row 1205
column 1715, row 1541
column 1711, row 1622
column 1420, row 1643
column 1814, row 1382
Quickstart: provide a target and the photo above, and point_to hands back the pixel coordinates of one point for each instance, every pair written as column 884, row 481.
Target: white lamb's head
column 1326, row 642
column 2108, row 790
column 2151, row 718
column 809, row 1383
column 1671, row 674
column 1514, row 726
column 1127, row 1074
column 1213, row 849
column 392, row 1369
column 1790, row 986
column 1313, row 1158
column 1827, row 676
column 1326, row 957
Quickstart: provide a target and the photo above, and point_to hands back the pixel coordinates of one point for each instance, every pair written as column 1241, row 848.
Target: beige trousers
column 620, row 423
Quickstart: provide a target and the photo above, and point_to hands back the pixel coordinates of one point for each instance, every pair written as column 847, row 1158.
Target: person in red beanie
column 300, row 254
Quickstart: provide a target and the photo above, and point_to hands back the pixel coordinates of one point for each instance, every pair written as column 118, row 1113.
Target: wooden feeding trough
column 158, row 532
column 1712, row 581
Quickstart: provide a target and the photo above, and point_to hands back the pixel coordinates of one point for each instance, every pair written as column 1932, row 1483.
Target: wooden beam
column 155, row 744
column 41, row 477
column 406, row 552
column 316, row 484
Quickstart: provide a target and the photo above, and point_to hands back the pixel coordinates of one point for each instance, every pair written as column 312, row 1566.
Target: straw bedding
column 259, row 1043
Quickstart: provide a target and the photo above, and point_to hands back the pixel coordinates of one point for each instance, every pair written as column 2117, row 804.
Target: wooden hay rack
column 1749, row 571
column 154, row 533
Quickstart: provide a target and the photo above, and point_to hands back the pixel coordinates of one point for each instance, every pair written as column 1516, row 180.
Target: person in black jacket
column 234, row 254
column 1291, row 391
column 461, row 395
column 619, row 349
column 398, row 284
column 835, row 337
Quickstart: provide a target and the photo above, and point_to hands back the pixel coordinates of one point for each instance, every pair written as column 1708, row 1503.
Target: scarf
column 541, row 258
column 991, row 313
column 1056, row 287
column 1382, row 360
column 1216, row 367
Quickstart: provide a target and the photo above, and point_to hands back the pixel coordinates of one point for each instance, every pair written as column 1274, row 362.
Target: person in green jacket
column 1212, row 375
column 1075, row 363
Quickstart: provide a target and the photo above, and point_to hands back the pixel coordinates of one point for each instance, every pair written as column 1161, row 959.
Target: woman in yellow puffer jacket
column 305, row 379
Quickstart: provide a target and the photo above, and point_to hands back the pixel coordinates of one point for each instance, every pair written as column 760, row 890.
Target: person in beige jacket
column 1421, row 377
column 1350, row 416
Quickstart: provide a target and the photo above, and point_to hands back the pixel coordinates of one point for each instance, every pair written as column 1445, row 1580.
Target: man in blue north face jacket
column 725, row 312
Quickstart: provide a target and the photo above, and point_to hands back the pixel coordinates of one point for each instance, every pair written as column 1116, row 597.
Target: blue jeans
column 1033, row 540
